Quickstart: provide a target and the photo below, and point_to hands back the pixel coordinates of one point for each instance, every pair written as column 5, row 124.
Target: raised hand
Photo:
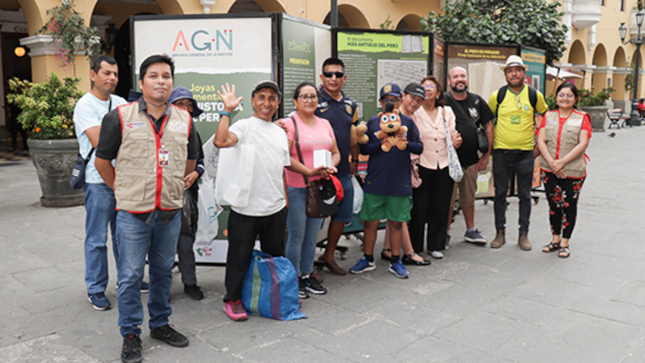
column 228, row 97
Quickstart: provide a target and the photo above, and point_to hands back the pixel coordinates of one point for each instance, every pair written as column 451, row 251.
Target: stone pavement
column 475, row 305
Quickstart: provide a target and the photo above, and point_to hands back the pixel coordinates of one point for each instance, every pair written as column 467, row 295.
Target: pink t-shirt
column 320, row 136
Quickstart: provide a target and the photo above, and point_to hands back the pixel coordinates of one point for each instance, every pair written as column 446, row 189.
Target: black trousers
column 242, row 231
column 505, row 162
column 186, row 259
column 430, row 205
column 562, row 195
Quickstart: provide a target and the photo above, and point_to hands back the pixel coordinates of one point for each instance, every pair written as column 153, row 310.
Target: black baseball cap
column 415, row 89
column 266, row 84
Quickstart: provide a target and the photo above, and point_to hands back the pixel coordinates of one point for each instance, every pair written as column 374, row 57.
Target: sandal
column 564, row 252
column 384, row 256
column 551, row 247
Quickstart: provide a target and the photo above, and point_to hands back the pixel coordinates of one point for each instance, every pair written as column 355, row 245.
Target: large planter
column 54, row 161
column 598, row 115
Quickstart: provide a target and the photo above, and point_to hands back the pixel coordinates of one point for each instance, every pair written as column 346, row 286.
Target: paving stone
column 42, row 350
column 291, row 350
column 482, row 331
column 40, row 279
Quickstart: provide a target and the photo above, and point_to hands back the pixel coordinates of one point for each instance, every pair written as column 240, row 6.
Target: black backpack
column 502, row 93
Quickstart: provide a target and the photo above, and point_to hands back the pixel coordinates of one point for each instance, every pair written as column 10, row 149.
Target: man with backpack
column 515, row 106
column 471, row 113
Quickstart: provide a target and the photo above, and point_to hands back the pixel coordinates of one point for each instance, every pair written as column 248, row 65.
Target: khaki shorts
column 467, row 188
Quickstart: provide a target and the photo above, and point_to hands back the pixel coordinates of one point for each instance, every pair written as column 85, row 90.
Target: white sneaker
column 437, row 255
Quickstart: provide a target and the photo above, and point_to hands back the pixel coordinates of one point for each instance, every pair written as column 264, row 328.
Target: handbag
column 313, row 188
column 482, row 140
column 454, row 167
column 415, row 178
column 235, row 175
column 270, row 288
column 77, row 180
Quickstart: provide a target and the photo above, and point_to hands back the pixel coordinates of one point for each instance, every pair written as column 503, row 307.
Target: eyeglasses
column 566, row 95
column 432, row 86
column 305, row 98
column 331, row 74
column 519, row 102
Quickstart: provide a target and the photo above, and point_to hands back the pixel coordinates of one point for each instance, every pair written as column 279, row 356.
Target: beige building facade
column 594, row 48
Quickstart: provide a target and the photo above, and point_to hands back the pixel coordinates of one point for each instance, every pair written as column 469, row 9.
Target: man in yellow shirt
column 515, row 106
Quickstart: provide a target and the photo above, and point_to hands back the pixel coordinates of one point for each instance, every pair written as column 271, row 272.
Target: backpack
column 502, row 93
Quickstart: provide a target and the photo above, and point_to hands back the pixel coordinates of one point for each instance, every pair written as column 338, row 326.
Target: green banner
column 375, row 59
column 299, row 58
column 536, row 60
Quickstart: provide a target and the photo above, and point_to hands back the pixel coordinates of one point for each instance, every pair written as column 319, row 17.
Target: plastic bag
column 270, row 288
column 189, row 214
column 208, row 210
column 358, row 195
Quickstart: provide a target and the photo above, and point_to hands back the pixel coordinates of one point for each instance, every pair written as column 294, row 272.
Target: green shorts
column 377, row 207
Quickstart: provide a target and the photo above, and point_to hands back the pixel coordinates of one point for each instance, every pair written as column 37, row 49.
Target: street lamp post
column 638, row 41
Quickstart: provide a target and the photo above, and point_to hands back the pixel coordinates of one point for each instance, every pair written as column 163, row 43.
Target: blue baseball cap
column 180, row 93
column 390, row 89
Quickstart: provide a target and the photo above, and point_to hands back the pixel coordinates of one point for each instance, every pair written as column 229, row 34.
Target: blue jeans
column 99, row 213
column 301, row 243
column 138, row 239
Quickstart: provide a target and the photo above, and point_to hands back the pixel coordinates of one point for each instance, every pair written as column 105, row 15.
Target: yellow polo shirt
column 514, row 129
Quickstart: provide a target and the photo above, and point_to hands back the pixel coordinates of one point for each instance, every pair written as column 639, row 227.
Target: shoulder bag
column 482, row 139
column 454, row 167
column 311, row 203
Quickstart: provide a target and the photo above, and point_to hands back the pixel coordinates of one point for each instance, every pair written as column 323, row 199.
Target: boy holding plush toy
column 392, row 137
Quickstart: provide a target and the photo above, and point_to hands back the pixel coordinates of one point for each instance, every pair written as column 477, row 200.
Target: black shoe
column 408, row 260
column 193, row 292
column 131, row 351
column 170, row 336
column 314, row 286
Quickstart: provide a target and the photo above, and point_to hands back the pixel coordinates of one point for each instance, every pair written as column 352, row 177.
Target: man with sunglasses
column 514, row 144
column 341, row 112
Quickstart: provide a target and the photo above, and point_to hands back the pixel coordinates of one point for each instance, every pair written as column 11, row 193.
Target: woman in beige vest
column 563, row 138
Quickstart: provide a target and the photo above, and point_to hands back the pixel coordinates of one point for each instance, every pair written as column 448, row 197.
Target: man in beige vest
column 155, row 145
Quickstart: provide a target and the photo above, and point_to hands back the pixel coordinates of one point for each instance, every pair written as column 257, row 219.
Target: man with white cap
column 515, row 106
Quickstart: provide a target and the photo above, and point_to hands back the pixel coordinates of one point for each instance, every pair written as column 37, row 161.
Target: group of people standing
column 148, row 152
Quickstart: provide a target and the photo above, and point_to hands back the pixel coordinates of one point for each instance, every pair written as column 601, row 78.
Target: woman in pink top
column 314, row 133
column 431, row 200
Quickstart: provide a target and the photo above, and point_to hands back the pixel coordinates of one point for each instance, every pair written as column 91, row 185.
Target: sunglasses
column 331, row 74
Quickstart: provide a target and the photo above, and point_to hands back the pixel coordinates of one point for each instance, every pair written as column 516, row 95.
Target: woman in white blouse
column 431, row 200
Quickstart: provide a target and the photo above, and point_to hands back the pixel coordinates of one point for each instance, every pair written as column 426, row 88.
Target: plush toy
column 391, row 129
column 358, row 135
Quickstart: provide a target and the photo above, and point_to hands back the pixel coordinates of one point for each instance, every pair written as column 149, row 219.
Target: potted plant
column 595, row 105
column 47, row 111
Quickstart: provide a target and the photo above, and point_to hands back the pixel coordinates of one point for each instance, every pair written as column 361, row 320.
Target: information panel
column 536, row 75
column 373, row 59
column 210, row 51
column 305, row 46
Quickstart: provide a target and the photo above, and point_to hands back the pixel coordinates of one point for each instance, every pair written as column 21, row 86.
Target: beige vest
column 568, row 140
column 141, row 184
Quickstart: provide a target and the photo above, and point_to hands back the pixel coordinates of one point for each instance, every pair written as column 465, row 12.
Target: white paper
column 322, row 158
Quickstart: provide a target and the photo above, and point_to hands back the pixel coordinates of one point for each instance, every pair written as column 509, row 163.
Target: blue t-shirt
column 88, row 113
column 341, row 115
column 388, row 173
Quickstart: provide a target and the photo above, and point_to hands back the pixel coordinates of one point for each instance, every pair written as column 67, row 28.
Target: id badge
column 163, row 157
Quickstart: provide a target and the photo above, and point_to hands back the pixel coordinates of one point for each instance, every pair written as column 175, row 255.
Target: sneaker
column 314, row 287
column 131, row 351
column 398, row 270
column 193, row 292
column 437, row 255
column 302, row 290
column 169, row 335
column 99, row 301
column 145, row 287
column 235, row 310
column 362, row 265
column 473, row 236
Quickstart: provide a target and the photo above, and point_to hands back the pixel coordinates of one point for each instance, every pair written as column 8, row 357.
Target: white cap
column 514, row 61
